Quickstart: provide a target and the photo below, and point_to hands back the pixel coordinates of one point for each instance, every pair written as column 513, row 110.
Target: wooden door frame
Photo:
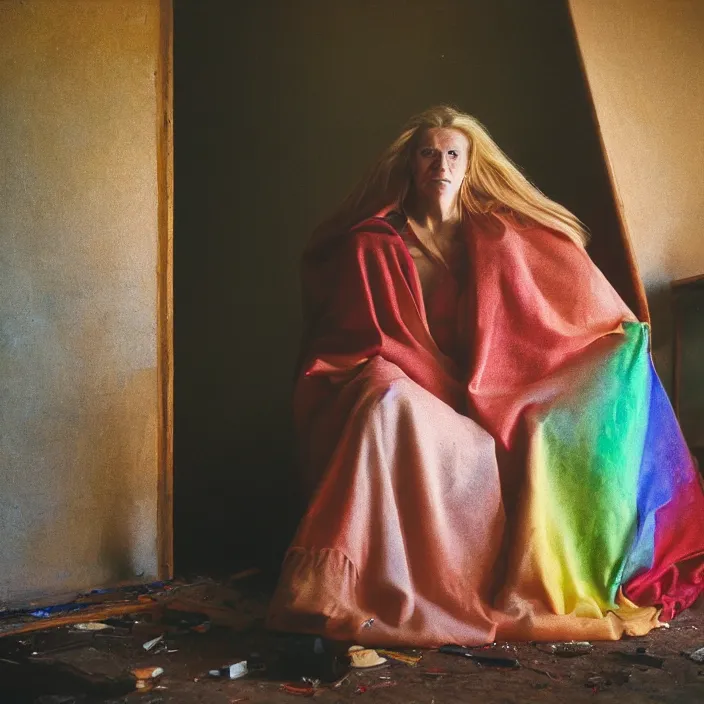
column 165, row 295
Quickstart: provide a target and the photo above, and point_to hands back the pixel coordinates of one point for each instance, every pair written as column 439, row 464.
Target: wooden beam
column 165, row 296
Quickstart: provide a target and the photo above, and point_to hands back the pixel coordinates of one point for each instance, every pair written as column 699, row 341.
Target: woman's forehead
column 443, row 137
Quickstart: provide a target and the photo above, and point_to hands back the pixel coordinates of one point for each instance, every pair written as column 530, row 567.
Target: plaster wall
column 78, row 257
column 644, row 61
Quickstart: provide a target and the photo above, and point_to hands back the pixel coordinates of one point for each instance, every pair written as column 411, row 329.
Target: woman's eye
column 427, row 151
column 453, row 153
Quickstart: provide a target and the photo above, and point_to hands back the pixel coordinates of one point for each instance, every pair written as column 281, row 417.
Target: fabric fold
column 542, row 490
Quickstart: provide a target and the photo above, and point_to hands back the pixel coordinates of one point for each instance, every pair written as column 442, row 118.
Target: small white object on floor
column 91, row 626
column 151, row 643
column 231, row 672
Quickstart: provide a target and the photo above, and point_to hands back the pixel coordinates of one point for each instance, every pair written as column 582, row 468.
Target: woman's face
column 439, row 164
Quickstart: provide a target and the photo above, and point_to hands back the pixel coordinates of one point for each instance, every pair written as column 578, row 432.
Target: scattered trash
column 341, row 681
column 406, row 658
column 697, row 656
column 146, row 676
column 489, row 660
column 547, row 673
column 50, row 611
column 606, row 679
column 571, row 649
column 436, row 673
column 362, row 688
column 306, row 691
column 124, row 623
column 91, row 626
column 362, row 658
column 231, row 672
column 641, row 657
column 151, row 644
column 138, row 592
column 147, row 673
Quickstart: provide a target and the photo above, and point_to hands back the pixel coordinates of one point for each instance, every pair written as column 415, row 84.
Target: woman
column 489, row 452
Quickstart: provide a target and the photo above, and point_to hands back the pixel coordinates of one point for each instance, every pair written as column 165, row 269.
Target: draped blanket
column 541, row 491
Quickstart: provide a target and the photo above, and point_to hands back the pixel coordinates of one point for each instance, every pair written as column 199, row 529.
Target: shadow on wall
column 279, row 108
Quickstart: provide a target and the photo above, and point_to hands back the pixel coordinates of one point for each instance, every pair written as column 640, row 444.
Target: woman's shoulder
column 377, row 231
column 371, row 235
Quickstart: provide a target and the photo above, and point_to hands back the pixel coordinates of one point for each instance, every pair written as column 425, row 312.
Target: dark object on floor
column 640, row 657
column 184, row 621
column 310, row 657
column 24, row 680
column 606, row 679
column 482, row 659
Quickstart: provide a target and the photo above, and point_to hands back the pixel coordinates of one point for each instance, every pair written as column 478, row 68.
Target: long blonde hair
column 493, row 184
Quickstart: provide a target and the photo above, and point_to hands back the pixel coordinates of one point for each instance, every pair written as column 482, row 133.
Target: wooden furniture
column 688, row 361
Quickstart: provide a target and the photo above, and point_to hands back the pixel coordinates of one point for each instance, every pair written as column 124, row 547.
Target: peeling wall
column 645, row 65
column 78, row 257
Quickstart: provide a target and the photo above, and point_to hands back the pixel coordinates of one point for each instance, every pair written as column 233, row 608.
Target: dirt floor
column 230, row 629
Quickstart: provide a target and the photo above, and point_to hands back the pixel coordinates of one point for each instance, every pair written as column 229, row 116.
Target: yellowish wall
column 645, row 66
column 78, row 258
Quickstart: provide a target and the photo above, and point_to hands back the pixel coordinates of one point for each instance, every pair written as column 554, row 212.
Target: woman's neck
column 438, row 219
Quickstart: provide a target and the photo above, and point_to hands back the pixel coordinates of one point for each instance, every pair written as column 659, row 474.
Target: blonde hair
column 492, row 185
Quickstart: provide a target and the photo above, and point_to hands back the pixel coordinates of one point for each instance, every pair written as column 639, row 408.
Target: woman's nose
column 440, row 162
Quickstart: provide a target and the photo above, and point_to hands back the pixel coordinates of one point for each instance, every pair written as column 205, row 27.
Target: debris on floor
column 640, row 657
column 571, row 649
column 606, row 679
column 363, row 688
column 482, row 658
column 697, row 655
column 146, row 677
column 411, row 659
column 205, row 641
column 231, row 672
column 364, row 658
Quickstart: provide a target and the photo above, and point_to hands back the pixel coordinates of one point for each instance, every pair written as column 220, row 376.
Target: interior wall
column 279, row 108
column 78, row 259
column 644, row 61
